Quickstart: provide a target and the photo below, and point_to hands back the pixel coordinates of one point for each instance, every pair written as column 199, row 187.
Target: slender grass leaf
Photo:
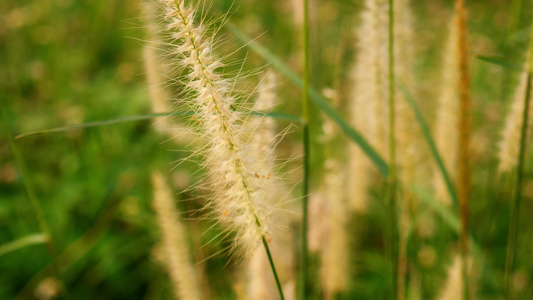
column 500, row 61
column 29, row 240
column 315, row 96
column 440, row 209
column 431, row 143
column 275, row 115
column 444, row 213
column 96, row 124
column 450, row 218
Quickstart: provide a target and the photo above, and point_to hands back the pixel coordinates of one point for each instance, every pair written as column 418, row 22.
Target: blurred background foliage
column 64, row 62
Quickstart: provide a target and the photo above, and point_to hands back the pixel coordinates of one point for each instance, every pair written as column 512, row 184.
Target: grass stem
column 306, row 140
column 392, row 160
column 515, row 205
column 278, row 284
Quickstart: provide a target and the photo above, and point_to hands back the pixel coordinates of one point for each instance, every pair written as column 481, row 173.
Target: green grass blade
column 305, row 114
column 275, row 115
column 431, row 143
column 315, row 96
column 34, row 239
column 500, row 61
column 96, row 124
column 443, row 212
column 393, row 200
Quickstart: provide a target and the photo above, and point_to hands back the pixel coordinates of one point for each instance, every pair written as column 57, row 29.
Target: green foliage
column 75, row 66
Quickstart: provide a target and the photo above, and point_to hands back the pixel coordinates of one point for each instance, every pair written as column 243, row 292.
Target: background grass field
column 66, row 62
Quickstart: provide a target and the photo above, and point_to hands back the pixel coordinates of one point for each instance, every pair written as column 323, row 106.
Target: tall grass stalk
column 393, row 218
column 463, row 174
column 515, row 205
column 307, row 152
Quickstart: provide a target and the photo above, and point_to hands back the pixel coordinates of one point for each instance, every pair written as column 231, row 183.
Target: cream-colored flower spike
column 368, row 99
column 184, row 275
column 336, row 251
column 240, row 192
column 446, row 134
column 369, row 105
column 509, row 145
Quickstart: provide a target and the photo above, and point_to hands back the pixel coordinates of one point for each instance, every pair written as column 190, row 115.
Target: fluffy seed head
column 446, row 133
column 240, row 184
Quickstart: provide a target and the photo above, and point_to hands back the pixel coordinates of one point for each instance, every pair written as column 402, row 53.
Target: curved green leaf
column 500, row 61
column 431, row 143
column 29, row 240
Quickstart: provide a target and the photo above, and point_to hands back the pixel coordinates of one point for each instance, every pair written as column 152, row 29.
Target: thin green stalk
column 306, row 140
column 392, row 160
column 515, row 205
column 278, row 284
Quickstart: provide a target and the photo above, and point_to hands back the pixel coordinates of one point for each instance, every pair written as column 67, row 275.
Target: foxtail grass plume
column 368, row 99
column 335, row 250
column 407, row 135
column 509, row 145
column 446, row 131
column 240, row 184
column 368, row 109
column 369, row 75
column 185, row 281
